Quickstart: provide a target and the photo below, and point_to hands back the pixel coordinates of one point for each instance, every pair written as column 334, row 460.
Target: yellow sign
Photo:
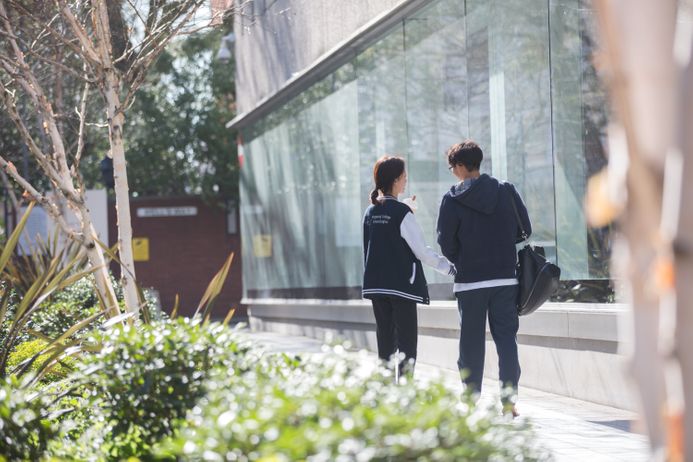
column 262, row 245
column 140, row 248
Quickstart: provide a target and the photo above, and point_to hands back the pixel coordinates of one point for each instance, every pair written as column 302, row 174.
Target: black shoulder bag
column 538, row 277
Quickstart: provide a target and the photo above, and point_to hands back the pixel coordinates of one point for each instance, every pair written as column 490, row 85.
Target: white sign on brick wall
column 156, row 212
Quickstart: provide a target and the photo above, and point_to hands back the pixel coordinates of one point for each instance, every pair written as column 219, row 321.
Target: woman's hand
column 411, row 202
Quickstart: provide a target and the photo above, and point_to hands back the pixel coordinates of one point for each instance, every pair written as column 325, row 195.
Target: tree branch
column 38, row 154
column 49, row 206
column 137, row 12
column 11, row 108
column 141, row 64
column 33, row 88
column 10, row 33
column 151, row 16
column 156, row 28
column 82, row 113
column 44, row 31
column 57, row 35
column 10, row 190
column 84, row 77
column 80, row 32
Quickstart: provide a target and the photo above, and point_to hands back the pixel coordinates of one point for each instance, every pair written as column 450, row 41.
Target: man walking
column 477, row 231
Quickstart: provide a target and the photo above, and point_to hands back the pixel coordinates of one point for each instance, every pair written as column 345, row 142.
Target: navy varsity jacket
column 390, row 266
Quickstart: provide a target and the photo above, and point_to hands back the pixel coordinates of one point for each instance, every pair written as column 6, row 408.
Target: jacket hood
column 481, row 196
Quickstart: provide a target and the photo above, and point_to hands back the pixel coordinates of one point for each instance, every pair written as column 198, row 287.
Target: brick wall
column 184, row 253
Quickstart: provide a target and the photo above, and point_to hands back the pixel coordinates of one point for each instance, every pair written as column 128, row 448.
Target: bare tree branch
column 80, row 33
column 195, row 30
column 7, row 63
column 58, row 64
column 82, row 113
column 137, row 12
column 34, row 89
column 9, row 190
column 153, row 35
column 55, row 34
column 10, row 33
column 151, row 16
column 43, row 33
column 137, row 73
column 48, row 206
column 43, row 160
column 10, row 106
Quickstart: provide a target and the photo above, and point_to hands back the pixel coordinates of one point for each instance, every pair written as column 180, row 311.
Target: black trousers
column 499, row 304
column 396, row 329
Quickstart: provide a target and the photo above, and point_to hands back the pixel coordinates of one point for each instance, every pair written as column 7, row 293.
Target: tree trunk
column 97, row 260
column 116, row 119
column 638, row 42
column 683, row 254
column 111, row 89
column 644, row 360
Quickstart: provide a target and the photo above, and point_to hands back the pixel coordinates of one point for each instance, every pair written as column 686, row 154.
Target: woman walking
column 393, row 278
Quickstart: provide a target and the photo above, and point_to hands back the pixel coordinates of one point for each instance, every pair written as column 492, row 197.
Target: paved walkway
column 574, row 430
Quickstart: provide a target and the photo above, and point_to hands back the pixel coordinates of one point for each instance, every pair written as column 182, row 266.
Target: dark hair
column 466, row 153
column 387, row 169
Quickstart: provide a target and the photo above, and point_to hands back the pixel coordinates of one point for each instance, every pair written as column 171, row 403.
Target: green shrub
column 25, row 429
column 146, row 378
column 180, row 390
column 55, row 318
column 27, row 280
column 151, row 372
column 76, row 302
column 27, row 350
column 81, row 294
column 6, row 323
column 81, row 426
column 341, row 407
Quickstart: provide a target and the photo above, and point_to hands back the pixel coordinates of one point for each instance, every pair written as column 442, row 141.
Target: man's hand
column 453, row 270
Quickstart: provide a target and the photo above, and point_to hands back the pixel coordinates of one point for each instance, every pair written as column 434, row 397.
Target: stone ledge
column 560, row 320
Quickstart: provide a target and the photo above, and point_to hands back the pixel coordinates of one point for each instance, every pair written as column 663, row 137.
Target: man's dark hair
column 466, row 153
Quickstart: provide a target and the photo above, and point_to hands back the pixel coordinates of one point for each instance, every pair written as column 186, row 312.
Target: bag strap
column 517, row 215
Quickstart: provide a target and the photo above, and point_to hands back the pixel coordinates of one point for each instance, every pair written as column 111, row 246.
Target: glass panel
column 481, row 73
column 479, row 69
column 579, row 127
column 520, row 104
column 300, row 189
column 381, row 116
column 437, row 111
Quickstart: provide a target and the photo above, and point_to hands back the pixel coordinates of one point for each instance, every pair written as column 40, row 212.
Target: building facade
column 326, row 87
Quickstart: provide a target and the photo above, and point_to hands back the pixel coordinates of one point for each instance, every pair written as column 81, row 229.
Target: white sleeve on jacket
column 411, row 232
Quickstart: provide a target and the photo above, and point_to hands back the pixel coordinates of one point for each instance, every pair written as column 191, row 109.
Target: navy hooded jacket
column 478, row 229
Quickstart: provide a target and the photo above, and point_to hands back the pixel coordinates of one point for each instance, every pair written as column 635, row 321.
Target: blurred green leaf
column 213, row 290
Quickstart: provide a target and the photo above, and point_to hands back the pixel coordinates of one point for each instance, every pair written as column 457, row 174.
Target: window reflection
column 514, row 75
column 579, row 130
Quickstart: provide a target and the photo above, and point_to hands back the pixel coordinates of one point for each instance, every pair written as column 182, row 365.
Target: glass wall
column 515, row 75
column 579, row 132
column 300, row 193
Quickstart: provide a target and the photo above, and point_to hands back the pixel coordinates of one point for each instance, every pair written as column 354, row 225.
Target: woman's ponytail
column 385, row 172
column 374, row 196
